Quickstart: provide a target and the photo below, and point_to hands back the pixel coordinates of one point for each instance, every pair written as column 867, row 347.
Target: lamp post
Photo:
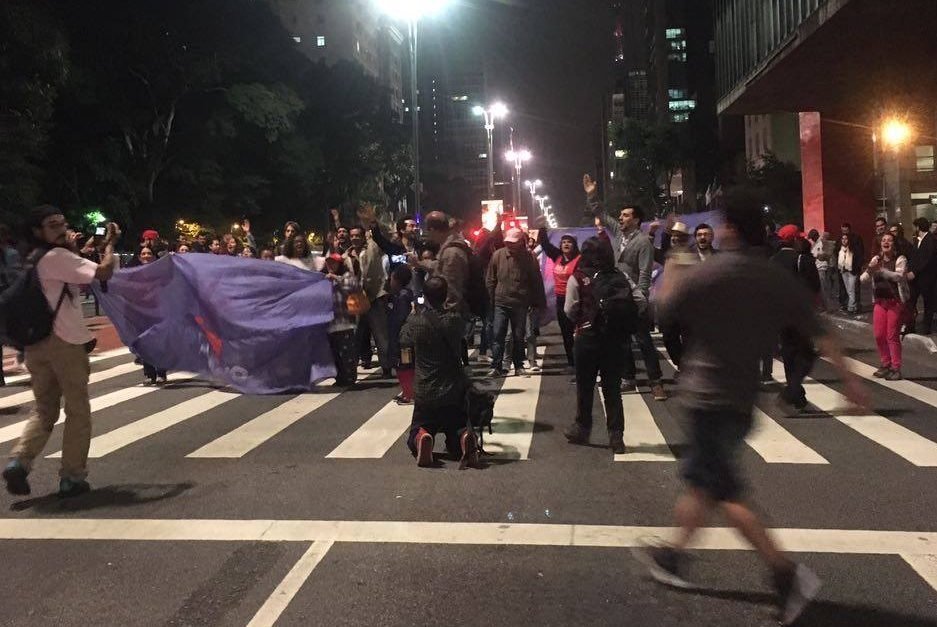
column 492, row 113
column 518, row 157
column 541, row 200
column 896, row 133
column 532, row 187
column 412, row 11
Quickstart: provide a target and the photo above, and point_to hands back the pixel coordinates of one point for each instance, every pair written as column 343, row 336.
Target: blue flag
column 258, row 326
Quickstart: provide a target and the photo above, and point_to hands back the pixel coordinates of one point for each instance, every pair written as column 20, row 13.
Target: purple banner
column 257, row 326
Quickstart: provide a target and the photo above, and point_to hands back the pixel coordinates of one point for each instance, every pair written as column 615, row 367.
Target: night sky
column 549, row 61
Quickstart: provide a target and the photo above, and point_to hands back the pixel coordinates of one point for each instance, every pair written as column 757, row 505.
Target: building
column 839, row 69
column 331, row 31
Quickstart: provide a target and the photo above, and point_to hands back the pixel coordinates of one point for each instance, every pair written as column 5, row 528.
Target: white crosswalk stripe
column 900, row 440
column 117, row 352
column 374, row 438
column 21, row 398
column 514, row 417
column 910, row 388
column 135, row 431
column 644, row 441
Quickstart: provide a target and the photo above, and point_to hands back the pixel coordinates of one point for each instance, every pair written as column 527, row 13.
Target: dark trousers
column 451, row 420
column 345, row 355
column 922, row 288
column 567, row 328
column 486, row 333
column 651, row 359
column 798, row 357
column 152, row 372
column 673, row 342
column 595, row 357
column 374, row 323
column 517, row 316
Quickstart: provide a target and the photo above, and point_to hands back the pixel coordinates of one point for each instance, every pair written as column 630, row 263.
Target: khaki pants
column 58, row 370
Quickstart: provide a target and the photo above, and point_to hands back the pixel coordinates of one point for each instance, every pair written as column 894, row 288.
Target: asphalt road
column 211, row 508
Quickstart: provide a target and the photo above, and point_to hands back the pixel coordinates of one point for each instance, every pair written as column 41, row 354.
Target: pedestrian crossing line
column 776, row 445
column 276, row 603
column 909, row 388
column 644, row 441
column 514, row 417
column 154, row 423
column 26, row 396
column 925, row 566
column 252, row 434
column 117, row 352
column 900, row 440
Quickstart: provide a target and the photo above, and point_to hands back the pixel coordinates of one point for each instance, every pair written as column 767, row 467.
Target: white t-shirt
column 314, row 263
column 57, row 268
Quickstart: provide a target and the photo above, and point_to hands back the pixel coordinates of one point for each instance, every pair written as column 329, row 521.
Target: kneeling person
column 435, row 335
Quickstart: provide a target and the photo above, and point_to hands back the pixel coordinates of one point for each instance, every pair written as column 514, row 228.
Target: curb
column 911, row 340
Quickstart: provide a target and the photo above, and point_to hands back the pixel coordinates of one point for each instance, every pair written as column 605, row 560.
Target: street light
column 412, row 11
column 518, row 157
column 532, row 186
column 492, row 113
column 896, row 133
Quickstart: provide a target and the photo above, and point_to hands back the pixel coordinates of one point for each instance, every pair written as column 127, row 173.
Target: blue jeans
column 517, row 316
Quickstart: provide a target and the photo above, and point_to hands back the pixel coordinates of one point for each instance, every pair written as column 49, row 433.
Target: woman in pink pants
column 890, row 287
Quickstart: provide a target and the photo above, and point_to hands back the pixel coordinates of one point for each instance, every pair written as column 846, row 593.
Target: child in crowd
column 342, row 328
column 399, row 306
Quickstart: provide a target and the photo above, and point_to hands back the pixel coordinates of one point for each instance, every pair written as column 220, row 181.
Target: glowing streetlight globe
column 410, row 10
column 499, row 110
column 478, row 110
column 896, row 132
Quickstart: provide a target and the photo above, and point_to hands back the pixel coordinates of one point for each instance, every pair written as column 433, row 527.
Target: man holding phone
column 59, row 362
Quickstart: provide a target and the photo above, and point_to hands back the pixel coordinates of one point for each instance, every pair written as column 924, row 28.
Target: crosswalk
column 523, row 402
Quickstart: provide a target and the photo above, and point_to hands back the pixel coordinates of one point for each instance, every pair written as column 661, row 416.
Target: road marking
column 902, row 441
column 154, row 423
column 252, row 434
column 925, row 566
column 514, row 416
column 909, row 388
column 271, row 610
column 644, row 441
column 21, row 398
column 776, row 445
column 117, row 352
column 841, row 541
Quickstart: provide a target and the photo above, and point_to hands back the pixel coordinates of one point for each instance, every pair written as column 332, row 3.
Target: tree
column 773, row 184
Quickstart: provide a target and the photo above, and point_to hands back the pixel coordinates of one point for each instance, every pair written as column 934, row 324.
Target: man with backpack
column 604, row 304
column 515, row 285
column 42, row 311
column 796, row 350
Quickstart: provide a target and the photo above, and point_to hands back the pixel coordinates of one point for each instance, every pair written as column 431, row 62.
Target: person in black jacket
column 923, row 277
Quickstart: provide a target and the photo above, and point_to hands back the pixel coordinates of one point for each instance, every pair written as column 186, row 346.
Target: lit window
column 320, row 41
column 297, row 39
column 677, row 56
column 483, row 155
column 682, row 105
column 680, row 117
column 678, row 44
column 621, row 154
column 676, row 94
column 676, row 33
column 925, row 158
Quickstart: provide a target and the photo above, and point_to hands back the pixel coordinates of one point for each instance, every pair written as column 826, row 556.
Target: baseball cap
column 514, row 235
column 789, row 232
column 150, row 234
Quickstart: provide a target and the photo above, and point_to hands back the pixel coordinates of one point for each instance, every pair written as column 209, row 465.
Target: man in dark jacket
column 923, row 277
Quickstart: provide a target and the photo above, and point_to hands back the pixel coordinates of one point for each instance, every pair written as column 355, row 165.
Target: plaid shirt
column 440, row 380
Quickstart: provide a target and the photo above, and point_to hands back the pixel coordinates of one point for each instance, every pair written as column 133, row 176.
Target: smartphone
column 100, row 231
column 420, row 300
column 398, row 259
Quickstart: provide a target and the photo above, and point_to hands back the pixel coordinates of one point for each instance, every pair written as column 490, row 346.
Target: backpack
column 808, row 273
column 475, row 292
column 616, row 313
column 25, row 315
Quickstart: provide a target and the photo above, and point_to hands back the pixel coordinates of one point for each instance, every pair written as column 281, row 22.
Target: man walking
column 59, row 363
column 720, row 381
column 634, row 255
column 923, row 277
column 515, row 285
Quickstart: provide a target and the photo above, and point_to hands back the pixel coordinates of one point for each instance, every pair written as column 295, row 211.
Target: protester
column 890, row 291
column 439, row 383
column 247, row 252
column 902, row 246
column 532, row 331
column 720, row 383
column 634, row 256
column 849, row 265
column 881, row 227
column 183, row 249
column 342, row 328
column 365, row 260
column 704, row 235
column 933, row 227
column 267, row 255
column 153, row 375
column 297, row 254
column 338, row 239
column 399, row 306
column 594, row 336
column 215, row 247
column 59, row 363
column 515, row 285
column 565, row 261
column 230, row 244
column 200, row 245
column 923, row 277
column 683, row 254
column 820, row 250
column 486, row 244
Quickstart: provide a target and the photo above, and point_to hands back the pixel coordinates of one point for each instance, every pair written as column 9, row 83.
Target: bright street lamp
column 532, row 187
column 492, row 113
column 896, row 133
column 518, row 157
column 412, row 11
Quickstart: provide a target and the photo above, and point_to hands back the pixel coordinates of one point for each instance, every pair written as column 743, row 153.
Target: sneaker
column 628, row 386
column 893, row 375
column 881, row 372
column 424, row 449
column 535, row 368
column 161, row 380
column 496, row 373
column 520, row 372
column 796, row 588
column 663, row 564
column 403, row 400
column 616, row 442
column 15, row 476
column 469, row 450
column 576, row 434
column 657, row 389
column 69, row 488
column 150, row 381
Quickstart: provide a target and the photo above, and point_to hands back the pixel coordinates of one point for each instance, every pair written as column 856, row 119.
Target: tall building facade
column 840, row 68
column 349, row 30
